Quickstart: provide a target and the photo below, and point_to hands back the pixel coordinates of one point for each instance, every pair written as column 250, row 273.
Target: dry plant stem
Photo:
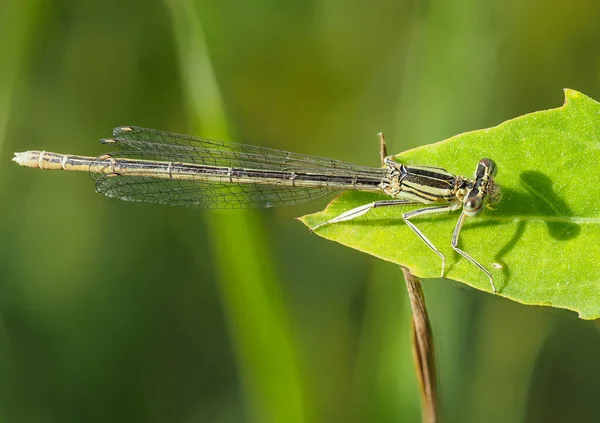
column 382, row 148
column 423, row 348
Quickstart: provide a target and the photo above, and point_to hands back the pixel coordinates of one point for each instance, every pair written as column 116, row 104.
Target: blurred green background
column 143, row 313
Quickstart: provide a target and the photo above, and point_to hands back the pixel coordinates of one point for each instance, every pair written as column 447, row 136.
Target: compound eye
column 491, row 165
column 473, row 206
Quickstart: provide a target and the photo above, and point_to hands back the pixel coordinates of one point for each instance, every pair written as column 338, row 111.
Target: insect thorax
column 423, row 184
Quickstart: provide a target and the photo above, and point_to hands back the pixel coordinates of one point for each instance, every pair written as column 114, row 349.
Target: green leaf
column 541, row 241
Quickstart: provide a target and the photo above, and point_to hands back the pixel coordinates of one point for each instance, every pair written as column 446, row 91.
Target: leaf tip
column 306, row 220
column 571, row 94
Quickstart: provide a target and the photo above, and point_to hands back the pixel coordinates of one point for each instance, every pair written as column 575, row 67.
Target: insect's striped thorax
column 424, row 184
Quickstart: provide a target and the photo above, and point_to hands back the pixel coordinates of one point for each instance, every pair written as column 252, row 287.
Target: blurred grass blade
column 256, row 312
column 17, row 23
column 540, row 241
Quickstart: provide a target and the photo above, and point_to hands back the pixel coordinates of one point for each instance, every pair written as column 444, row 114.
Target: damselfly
column 180, row 170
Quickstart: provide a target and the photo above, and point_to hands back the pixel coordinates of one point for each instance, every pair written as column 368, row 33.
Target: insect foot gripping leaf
column 540, row 241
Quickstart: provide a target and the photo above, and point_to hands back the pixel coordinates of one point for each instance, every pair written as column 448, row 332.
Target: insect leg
column 425, row 211
column 359, row 211
column 455, row 235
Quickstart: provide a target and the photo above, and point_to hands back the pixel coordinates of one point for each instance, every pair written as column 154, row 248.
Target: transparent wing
column 150, row 144
column 170, row 146
column 203, row 195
